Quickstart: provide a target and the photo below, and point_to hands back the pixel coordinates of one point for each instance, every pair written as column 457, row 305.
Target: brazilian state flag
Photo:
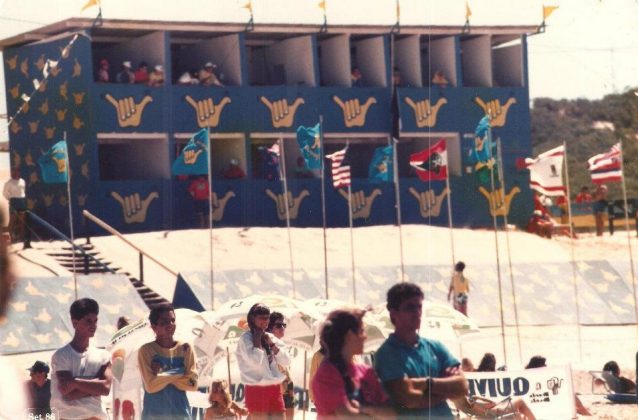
column 381, row 167
column 309, row 141
column 54, row 164
column 194, row 158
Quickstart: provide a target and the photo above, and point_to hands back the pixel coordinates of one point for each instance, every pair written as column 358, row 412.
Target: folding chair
column 598, row 378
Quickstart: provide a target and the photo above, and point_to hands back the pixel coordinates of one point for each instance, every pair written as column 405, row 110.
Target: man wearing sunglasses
column 419, row 374
column 277, row 327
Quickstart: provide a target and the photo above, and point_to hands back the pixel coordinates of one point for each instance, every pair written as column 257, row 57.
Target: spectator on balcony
column 208, row 75
column 439, row 79
column 156, row 78
column 141, row 74
column 356, row 76
column 188, row 78
column 103, row 71
column 396, row 77
column 125, row 75
column 234, row 171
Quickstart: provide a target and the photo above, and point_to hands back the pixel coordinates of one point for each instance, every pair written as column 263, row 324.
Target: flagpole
column 210, row 218
column 573, row 255
column 323, row 207
column 397, row 194
column 449, row 213
column 501, row 177
column 631, row 258
column 282, row 172
column 498, row 261
column 354, row 283
column 68, row 194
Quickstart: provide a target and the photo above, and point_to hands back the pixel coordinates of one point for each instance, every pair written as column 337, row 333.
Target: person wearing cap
column 207, row 76
column 234, row 171
column 156, row 78
column 125, row 75
column 103, row 71
column 141, row 74
column 39, row 387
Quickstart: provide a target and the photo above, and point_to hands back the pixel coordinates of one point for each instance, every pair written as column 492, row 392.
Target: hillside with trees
column 588, row 128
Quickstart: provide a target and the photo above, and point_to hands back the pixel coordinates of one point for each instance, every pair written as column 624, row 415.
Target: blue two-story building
column 123, row 138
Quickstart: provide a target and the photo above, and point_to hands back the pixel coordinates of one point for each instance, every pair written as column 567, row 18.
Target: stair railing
column 86, row 256
column 101, row 223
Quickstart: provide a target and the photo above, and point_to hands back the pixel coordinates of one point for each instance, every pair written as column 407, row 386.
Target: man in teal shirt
column 419, row 374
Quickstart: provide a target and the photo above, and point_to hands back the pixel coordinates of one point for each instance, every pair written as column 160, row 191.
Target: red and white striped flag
column 340, row 168
column 606, row 167
column 546, row 172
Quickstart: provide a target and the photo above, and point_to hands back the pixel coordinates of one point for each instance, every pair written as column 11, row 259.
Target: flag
column 248, row 6
column 482, row 153
column 90, row 3
column 548, row 10
column 340, row 168
column 468, row 11
column 431, row 163
column 546, row 172
column 322, row 5
column 309, row 142
column 381, row 168
column 606, row 167
column 194, row 158
column 54, row 165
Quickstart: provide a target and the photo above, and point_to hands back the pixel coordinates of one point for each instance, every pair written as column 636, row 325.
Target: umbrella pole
column 305, row 404
column 228, row 365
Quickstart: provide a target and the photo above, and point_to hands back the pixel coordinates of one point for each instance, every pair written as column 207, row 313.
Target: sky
column 588, row 49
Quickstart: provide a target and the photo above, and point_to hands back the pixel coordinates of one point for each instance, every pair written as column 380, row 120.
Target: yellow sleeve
column 188, row 382
column 152, row 383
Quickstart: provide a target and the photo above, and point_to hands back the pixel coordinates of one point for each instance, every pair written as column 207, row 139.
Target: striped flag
column 546, row 172
column 606, row 167
column 340, row 168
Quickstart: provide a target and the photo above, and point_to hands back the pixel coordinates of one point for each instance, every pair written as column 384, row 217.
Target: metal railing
column 85, row 256
column 117, row 234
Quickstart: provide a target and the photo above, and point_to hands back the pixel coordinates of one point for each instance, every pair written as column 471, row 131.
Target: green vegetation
column 572, row 121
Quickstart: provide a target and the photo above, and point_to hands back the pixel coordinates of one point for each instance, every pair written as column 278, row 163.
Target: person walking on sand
column 459, row 288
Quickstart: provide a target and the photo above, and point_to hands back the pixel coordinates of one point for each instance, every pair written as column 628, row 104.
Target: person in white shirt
column 13, row 393
column 81, row 373
column 259, row 355
column 15, row 193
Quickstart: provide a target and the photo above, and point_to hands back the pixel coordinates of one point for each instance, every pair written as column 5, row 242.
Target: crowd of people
column 208, row 75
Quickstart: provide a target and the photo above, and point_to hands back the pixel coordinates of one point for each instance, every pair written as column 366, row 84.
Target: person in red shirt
column 141, row 74
column 583, row 196
column 234, row 171
column 200, row 190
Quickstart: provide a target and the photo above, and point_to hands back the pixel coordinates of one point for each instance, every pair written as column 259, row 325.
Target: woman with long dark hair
column 259, row 355
column 341, row 386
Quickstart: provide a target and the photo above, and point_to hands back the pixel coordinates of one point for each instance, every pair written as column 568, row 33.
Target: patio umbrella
column 374, row 328
column 301, row 320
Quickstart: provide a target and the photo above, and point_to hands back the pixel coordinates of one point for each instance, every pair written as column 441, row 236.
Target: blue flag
column 310, row 145
column 194, row 158
column 54, row 165
column 381, row 165
column 482, row 152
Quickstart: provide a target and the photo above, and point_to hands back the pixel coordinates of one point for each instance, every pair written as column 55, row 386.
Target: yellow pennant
column 398, row 11
column 468, row 11
column 548, row 10
column 90, row 3
column 322, row 5
column 248, row 6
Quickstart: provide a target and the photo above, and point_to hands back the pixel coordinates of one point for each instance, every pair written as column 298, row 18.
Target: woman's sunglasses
column 280, row 325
